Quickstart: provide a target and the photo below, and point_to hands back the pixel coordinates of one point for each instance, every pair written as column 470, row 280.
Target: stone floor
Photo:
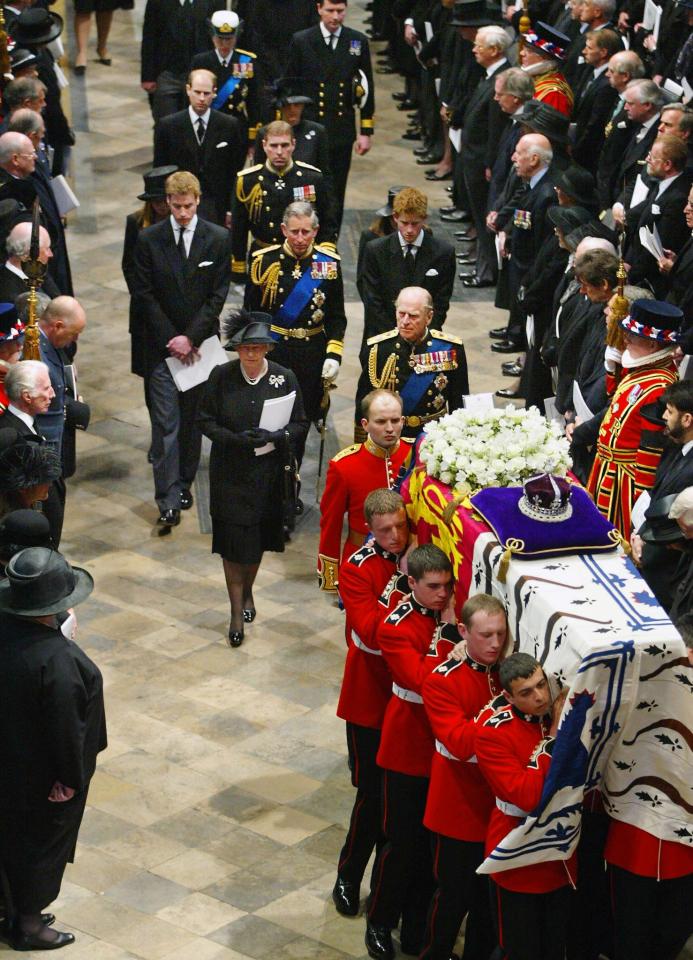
column 217, row 812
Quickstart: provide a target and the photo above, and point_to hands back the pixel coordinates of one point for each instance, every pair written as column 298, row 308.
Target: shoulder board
column 254, row 169
column 499, row 717
column 401, row 611
column 382, row 336
column 362, row 554
column 347, row 451
column 409, row 440
column 442, row 335
column 308, row 166
column 247, row 53
column 258, row 253
column 330, row 253
column 448, row 666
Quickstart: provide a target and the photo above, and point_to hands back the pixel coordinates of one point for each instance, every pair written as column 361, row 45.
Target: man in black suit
column 513, row 89
column 172, row 33
column 206, row 143
column 13, row 280
column 680, row 280
column 643, row 100
column 234, row 69
column 484, row 123
column 623, row 67
column 311, row 138
column 663, row 209
column 409, row 257
column 341, row 58
column 181, row 282
column 596, row 99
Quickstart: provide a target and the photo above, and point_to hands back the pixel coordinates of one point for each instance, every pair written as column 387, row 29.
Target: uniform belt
column 409, row 695
column 356, row 537
column 358, row 642
column 297, row 333
column 444, row 752
column 417, row 421
column 615, row 456
column 510, row 809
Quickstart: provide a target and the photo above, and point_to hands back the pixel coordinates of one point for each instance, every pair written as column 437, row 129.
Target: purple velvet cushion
column 585, row 531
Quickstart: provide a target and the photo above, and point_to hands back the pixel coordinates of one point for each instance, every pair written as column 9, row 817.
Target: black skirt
column 101, row 6
column 246, row 544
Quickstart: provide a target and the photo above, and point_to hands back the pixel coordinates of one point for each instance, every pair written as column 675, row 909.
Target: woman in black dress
column 246, row 488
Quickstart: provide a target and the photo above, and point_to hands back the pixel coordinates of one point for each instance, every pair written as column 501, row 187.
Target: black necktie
column 332, row 42
column 409, row 260
column 200, row 129
column 181, row 243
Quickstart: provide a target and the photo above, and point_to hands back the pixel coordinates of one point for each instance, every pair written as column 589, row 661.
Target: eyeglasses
column 33, row 155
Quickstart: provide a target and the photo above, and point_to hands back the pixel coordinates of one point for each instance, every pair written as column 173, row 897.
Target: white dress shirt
column 189, row 233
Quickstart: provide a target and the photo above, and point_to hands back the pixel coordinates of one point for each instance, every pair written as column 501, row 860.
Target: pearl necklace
column 253, row 381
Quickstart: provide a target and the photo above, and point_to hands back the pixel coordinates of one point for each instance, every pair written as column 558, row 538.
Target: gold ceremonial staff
column 35, row 272
column 525, row 23
column 4, row 54
column 615, row 335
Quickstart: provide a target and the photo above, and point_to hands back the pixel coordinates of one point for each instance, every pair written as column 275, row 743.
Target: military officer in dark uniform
column 300, row 283
column 235, row 72
column 311, row 138
column 264, row 191
column 426, row 367
column 340, row 57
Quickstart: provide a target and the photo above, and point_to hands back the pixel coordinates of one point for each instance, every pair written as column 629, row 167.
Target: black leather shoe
column 346, row 897
column 511, row 369
column 507, row 394
column 498, row 333
column 32, row 941
column 507, row 364
column 427, row 159
column 186, row 499
column 448, row 189
column 504, row 346
column 440, row 176
column 249, row 614
column 408, row 105
column 167, row 520
column 412, row 135
column 422, row 150
column 400, row 96
column 465, row 235
column 455, row 216
column 385, row 70
column 379, row 942
column 465, row 260
column 476, row 283
column 299, row 506
column 235, row 637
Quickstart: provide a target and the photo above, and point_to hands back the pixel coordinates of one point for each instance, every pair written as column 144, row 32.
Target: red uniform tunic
column 413, row 644
column 514, row 754
column 641, row 853
column 626, row 462
column 4, row 399
column 460, row 801
column 367, row 684
column 351, row 476
column 554, row 90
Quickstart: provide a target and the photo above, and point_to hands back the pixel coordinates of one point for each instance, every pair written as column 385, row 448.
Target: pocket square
column 206, row 263
column 224, row 143
column 431, row 273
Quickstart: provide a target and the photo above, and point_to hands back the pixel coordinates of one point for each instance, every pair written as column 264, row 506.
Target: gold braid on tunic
column 252, row 199
column 388, row 379
column 268, row 281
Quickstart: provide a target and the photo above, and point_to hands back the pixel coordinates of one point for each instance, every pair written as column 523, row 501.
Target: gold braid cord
column 387, row 379
column 620, row 306
column 268, row 281
column 252, row 200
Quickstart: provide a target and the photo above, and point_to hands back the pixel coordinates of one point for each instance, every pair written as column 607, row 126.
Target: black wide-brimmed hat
column 289, row 90
column 155, row 182
column 388, row 209
column 547, row 40
column 567, row 219
column 541, row 118
column 25, row 463
column 579, row 184
column 246, row 328
column 36, row 26
column 474, row 13
column 658, row 528
column 20, row 59
column 40, row 582
column 21, row 529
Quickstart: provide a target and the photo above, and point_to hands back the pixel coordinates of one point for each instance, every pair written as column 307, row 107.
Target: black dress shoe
column 186, row 499
column 399, row 96
column 448, row 189
column 346, row 897
column 32, row 941
column 465, row 261
column 476, row 283
column 412, row 135
column 432, row 175
column 498, row 333
column 379, row 942
column 408, row 105
column 235, row 637
column 168, row 519
column 507, row 364
column 453, row 209
column 427, row 159
column 249, row 614
column 385, row 70
column 511, row 369
column 465, row 235
column 421, row 151
column 507, row 394
column 504, row 346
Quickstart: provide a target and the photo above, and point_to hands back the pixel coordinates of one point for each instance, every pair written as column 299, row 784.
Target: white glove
column 612, row 356
column 330, row 369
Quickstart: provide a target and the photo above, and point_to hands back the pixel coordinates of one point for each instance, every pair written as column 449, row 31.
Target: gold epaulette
column 248, row 53
column 407, row 440
column 446, row 336
column 257, row 166
column 258, row 253
column 379, row 337
column 308, row 166
column 346, row 452
column 328, row 249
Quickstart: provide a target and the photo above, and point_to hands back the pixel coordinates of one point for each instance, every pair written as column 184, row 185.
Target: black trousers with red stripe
column 460, row 891
column 365, row 831
column 533, row 926
column 403, row 873
column 652, row 918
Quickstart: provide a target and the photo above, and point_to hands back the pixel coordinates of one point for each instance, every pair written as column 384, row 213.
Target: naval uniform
column 337, row 93
column 236, row 86
column 430, row 376
column 311, row 145
column 351, row 475
column 262, row 195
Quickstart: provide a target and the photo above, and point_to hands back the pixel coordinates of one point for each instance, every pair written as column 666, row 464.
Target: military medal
column 433, row 361
column 243, row 70
column 280, row 184
column 305, row 192
column 318, row 315
column 324, row 270
column 318, row 298
column 523, row 219
column 355, row 48
column 296, row 272
column 441, row 381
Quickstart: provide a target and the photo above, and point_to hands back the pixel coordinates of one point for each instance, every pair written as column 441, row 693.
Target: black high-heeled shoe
column 235, row 637
column 249, row 614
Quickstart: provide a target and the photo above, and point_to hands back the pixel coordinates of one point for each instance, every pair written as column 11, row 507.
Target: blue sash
column 298, row 299
column 230, row 86
column 418, row 383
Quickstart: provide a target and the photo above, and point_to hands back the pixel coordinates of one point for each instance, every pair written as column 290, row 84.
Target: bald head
column 532, row 154
column 594, row 243
column 19, row 242
column 17, row 155
column 63, row 321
